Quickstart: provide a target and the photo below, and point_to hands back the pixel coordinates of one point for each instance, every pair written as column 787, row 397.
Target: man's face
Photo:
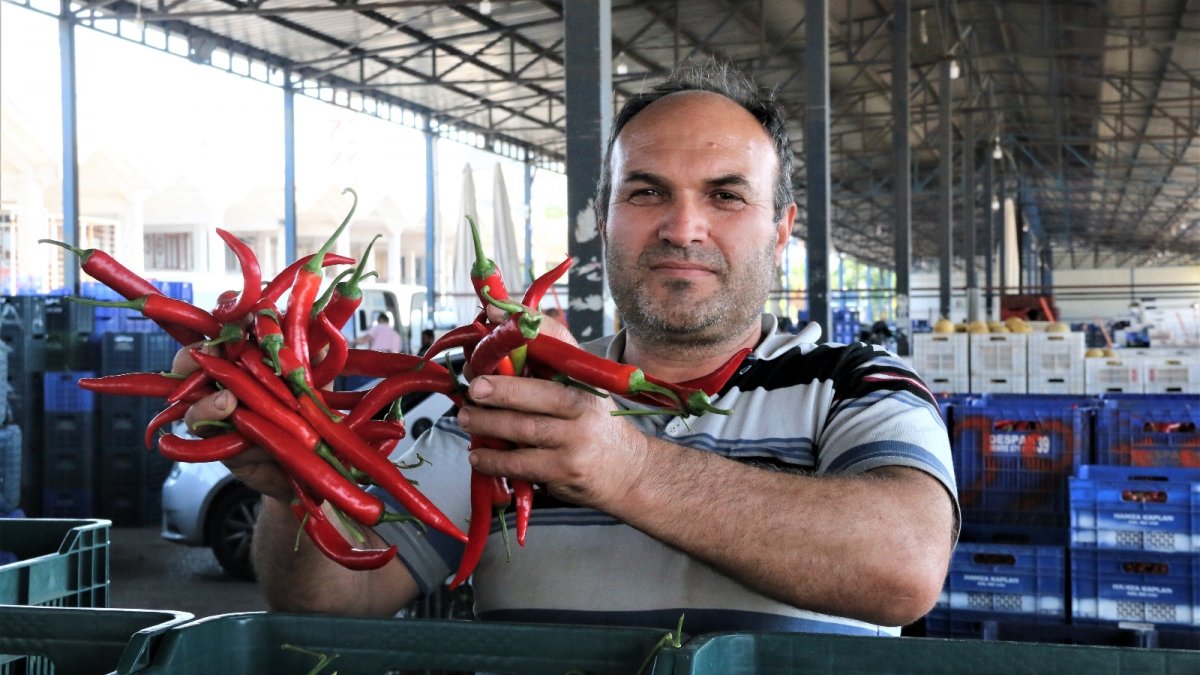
column 691, row 244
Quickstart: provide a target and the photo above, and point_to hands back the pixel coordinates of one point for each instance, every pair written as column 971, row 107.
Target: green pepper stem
column 483, row 266
column 317, row 262
column 528, row 320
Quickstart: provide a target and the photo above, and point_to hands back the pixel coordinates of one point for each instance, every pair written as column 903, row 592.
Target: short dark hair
column 719, row 78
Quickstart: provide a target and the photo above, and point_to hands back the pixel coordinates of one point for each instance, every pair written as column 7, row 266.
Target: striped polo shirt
column 799, row 406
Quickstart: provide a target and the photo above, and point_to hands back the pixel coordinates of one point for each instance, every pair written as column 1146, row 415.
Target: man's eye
column 727, row 197
column 643, row 194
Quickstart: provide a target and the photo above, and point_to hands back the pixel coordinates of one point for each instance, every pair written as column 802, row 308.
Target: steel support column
column 901, row 172
column 289, row 170
column 529, row 213
column 588, row 67
column 946, row 191
column 430, row 219
column 989, row 233
column 816, row 159
column 70, row 143
column 969, row 206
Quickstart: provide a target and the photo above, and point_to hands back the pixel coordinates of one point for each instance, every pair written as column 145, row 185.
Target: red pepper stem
column 314, row 265
column 528, row 320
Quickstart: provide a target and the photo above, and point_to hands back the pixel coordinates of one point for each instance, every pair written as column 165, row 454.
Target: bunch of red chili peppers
column 334, row 444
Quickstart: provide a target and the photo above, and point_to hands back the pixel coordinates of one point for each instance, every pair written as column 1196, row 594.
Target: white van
column 406, row 304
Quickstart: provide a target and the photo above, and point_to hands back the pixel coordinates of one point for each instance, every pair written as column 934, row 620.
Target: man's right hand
column 254, row 467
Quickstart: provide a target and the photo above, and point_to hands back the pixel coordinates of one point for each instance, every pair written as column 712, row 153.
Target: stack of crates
column 68, row 453
column 1171, row 373
column 845, row 326
column 998, row 363
column 1135, row 546
column 23, row 330
column 1012, row 457
column 1055, row 363
column 1120, row 374
column 1007, row 582
column 942, row 360
column 1148, row 430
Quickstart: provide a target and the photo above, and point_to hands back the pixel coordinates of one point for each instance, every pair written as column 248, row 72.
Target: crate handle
column 1144, row 496
column 1016, row 425
column 1170, row 427
column 1143, row 567
column 994, row 559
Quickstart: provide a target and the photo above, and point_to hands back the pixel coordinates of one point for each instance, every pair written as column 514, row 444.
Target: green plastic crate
column 253, row 642
column 77, row 640
column 780, row 653
column 59, row 562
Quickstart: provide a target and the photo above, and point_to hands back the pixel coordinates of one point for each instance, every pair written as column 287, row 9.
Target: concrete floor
column 147, row 572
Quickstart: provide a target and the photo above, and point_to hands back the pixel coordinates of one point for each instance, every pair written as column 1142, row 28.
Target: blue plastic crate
column 967, row 625
column 61, row 392
column 1007, row 579
column 180, row 290
column 1141, row 508
column 1135, row 586
column 1149, row 430
column 98, row 291
column 69, row 448
column 1014, row 453
column 10, row 468
column 136, row 352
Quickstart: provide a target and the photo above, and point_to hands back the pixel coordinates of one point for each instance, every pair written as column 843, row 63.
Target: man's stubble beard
column 673, row 314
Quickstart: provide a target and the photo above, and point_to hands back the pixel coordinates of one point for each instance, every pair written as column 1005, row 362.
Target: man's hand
column 253, row 467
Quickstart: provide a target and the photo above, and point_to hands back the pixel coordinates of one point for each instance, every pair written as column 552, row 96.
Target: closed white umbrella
column 505, row 236
column 465, row 303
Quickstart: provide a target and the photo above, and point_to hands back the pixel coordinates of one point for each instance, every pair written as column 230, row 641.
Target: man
column 382, row 337
column 825, row 502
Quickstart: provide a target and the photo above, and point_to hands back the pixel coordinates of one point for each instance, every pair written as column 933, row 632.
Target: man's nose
column 684, row 222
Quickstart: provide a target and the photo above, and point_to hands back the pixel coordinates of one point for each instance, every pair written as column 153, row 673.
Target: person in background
column 427, row 338
column 556, row 314
column 382, row 337
column 825, row 502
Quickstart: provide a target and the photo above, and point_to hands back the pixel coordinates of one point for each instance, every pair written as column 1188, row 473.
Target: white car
column 205, row 505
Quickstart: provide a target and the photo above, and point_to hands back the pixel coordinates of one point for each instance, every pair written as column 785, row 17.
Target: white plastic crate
column 957, row 384
column 1113, row 374
column 1057, row 385
column 999, row 384
column 941, row 355
column 1171, row 374
column 1056, row 355
column 999, row 354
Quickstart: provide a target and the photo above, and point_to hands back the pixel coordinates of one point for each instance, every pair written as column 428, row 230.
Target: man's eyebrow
column 730, row 180
column 643, row 177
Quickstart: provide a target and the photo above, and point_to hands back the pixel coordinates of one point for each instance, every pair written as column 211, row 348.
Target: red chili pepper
column 713, row 382
column 105, row 269
column 301, row 461
column 342, row 400
column 251, row 279
column 297, row 375
column 283, row 281
column 467, row 334
column 198, row 379
column 267, row 331
column 329, row 541
column 537, row 289
column 152, row 385
column 515, row 332
column 344, row 296
column 215, row 449
column 253, row 394
column 523, row 505
column 225, row 302
column 479, row 528
column 164, row 310
column 595, row 371
column 394, row 386
column 695, row 401
column 484, row 271
column 373, row 431
column 255, row 362
column 304, row 292
column 330, row 366
column 371, row 363
column 382, row 472
column 171, row 413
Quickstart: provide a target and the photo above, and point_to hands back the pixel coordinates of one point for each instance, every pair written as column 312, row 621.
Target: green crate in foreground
column 60, row 562
column 254, row 642
column 79, row 641
column 780, row 653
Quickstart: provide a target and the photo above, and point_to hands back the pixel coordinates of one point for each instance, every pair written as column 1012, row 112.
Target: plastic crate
column 10, row 468
column 1007, row 579
column 1171, row 374
column 64, row 317
column 25, row 314
column 60, row 562
column 180, row 290
column 965, row 625
column 1013, row 454
column 1150, row 509
column 255, row 642
column 998, row 354
column 130, row 476
column 76, row 640
column 61, row 392
column 1056, row 356
column 941, row 355
column 942, row 385
column 815, row 653
column 1061, row 386
column 136, row 352
column 1113, row 375
column 1148, row 430
column 68, row 351
column 1135, row 586
column 999, row 384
